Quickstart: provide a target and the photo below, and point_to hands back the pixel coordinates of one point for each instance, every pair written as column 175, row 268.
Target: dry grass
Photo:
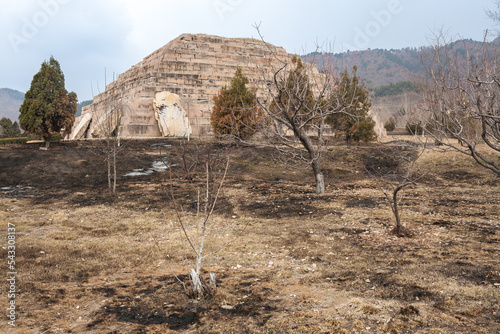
column 305, row 264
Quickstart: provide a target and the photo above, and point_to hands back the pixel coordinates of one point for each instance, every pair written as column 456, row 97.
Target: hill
column 10, row 101
column 81, row 105
column 391, row 74
column 384, row 67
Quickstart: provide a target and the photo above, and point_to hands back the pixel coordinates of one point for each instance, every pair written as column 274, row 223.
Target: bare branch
column 390, row 183
column 461, row 105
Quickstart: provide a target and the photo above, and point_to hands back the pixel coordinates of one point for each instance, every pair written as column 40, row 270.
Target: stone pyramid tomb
column 170, row 93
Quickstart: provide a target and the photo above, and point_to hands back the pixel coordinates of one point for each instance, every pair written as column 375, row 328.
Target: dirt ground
column 88, row 262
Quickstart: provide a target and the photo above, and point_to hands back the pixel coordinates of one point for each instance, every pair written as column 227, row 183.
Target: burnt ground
column 89, row 262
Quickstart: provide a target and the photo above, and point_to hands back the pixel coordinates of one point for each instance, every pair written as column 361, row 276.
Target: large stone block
column 172, row 119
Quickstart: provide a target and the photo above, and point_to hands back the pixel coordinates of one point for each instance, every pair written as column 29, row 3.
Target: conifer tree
column 9, row 129
column 296, row 116
column 297, row 96
column 48, row 108
column 235, row 112
column 354, row 123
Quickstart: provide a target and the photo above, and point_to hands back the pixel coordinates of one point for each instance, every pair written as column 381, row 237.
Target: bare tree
column 495, row 13
column 394, row 169
column 296, row 100
column 461, row 99
column 108, row 128
column 196, row 230
column 188, row 159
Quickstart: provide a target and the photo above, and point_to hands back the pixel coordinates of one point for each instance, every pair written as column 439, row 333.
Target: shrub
column 19, row 140
column 414, row 129
column 390, row 125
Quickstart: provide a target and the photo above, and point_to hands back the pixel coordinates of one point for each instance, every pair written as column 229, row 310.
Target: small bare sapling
column 394, row 168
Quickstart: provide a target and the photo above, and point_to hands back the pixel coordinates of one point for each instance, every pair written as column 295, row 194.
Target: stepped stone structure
column 170, row 93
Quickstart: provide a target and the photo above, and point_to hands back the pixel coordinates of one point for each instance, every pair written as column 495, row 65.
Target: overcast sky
column 87, row 36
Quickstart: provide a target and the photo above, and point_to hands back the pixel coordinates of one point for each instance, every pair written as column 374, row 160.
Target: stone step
column 141, row 130
column 136, row 119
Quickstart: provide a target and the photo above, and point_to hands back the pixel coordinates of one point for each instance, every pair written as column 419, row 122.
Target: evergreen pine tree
column 9, row 129
column 298, row 91
column 48, row 109
column 235, row 110
column 353, row 98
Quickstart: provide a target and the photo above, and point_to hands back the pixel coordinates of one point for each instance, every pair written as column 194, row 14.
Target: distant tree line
column 81, row 105
column 396, row 89
column 9, row 129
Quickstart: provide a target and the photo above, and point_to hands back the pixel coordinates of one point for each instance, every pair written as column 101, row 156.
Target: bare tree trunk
column 212, row 283
column 315, row 157
column 320, row 179
column 395, row 209
column 47, row 143
column 114, row 170
column 197, row 285
column 199, row 256
column 320, row 184
column 109, row 176
column 108, row 160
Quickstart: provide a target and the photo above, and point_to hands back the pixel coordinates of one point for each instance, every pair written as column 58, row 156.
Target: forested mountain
column 81, row 105
column 383, row 67
column 10, row 101
column 391, row 75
